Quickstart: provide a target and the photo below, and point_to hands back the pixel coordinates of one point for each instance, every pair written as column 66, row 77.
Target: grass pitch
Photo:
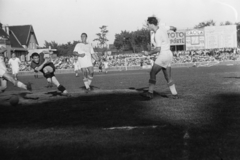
column 114, row 122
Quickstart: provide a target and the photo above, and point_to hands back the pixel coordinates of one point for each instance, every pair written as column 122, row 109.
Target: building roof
column 22, row 33
column 14, row 41
column 3, row 34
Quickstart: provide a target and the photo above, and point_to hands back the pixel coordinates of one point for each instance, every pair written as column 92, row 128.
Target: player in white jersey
column 5, row 76
column 105, row 63
column 164, row 57
column 76, row 65
column 14, row 63
column 85, row 53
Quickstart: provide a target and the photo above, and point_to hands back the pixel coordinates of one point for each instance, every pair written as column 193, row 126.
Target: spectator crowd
column 128, row 60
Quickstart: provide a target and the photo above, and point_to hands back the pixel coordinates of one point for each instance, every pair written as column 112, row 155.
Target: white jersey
column 76, row 65
column 161, row 25
column 105, row 64
column 14, row 63
column 87, row 49
column 3, row 68
column 161, row 39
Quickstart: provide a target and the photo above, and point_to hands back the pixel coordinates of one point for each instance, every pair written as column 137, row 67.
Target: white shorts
column 85, row 61
column 164, row 59
column 15, row 70
column 2, row 72
column 77, row 67
column 105, row 66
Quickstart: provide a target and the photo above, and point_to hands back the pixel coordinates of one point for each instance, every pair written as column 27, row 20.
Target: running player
column 164, row 58
column 85, row 53
column 14, row 63
column 76, row 65
column 105, row 62
column 41, row 62
column 5, row 76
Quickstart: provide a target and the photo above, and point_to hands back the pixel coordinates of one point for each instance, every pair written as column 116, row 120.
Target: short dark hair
column 84, row 34
column 35, row 54
column 152, row 20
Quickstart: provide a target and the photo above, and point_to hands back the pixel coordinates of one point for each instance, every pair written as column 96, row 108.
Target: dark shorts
column 52, row 66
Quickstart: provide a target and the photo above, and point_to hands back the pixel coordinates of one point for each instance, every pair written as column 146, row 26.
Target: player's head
column 84, row 37
column 152, row 22
column 13, row 55
column 35, row 57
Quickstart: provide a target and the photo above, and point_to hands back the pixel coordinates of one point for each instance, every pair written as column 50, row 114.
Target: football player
column 164, row 58
column 41, row 63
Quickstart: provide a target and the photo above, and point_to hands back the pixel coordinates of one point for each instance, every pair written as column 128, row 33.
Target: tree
column 102, row 39
column 136, row 41
column 121, row 41
column 226, row 23
column 204, row 24
column 142, row 39
column 51, row 44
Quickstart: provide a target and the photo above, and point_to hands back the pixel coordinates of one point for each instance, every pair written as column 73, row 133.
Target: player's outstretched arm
column 174, row 29
column 78, row 55
column 155, row 50
column 41, row 66
column 75, row 53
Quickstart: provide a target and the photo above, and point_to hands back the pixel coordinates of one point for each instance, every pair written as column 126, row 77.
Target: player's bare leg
column 17, row 83
column 3, row 86
column 15, row 77
column 171, row 85
column 47, row 71
column 152, row 81
column 76, row 73
column 90, row 75
column 85, row 79
column 59, row 86
column 49, row 85
column 35, row 74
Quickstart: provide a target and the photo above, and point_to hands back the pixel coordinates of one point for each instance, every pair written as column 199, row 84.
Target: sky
column 63, row 21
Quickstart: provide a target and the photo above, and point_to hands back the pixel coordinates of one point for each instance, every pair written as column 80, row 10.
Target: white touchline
column 132, row 127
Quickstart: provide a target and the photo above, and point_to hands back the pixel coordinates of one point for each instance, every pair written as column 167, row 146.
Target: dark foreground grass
column 203, row 124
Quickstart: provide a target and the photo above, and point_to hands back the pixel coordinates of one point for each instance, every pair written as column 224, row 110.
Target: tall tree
column 136, row 41
column 102, row 36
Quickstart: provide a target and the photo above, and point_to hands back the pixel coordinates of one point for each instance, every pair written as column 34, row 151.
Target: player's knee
column 85, row 79
column 48, row 75
column 152, row 81
column 170, row 83
column 91, row 73
column 61, row 88
column 90, row 77
column 153, row 72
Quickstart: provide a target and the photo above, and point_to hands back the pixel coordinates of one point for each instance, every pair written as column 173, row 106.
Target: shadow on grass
column 233, row 77
column 220, row 138
column 102, row 110
column 217, row 140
